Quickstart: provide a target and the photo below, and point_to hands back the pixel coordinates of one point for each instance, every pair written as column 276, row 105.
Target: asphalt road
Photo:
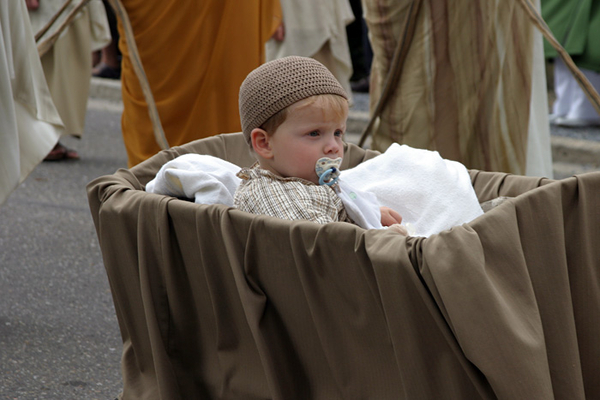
column 59, row 337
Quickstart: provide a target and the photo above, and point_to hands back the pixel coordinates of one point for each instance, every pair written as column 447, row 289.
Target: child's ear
column 261, row 143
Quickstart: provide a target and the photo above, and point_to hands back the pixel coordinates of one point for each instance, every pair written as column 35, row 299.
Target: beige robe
column 67, row 65
column 29, row 122
column 473, row 84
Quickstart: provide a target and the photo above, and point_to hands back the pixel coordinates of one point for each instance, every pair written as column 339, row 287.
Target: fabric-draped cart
column 216, row 303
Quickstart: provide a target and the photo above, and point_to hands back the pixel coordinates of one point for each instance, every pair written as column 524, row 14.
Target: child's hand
column 389, row 217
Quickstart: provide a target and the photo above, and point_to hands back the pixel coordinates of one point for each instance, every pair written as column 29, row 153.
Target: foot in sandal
column 60, row 153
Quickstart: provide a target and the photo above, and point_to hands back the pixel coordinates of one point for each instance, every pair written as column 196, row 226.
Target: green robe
column 576, row 25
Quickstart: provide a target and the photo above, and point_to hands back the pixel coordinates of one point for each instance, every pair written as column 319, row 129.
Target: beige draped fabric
column 30, row 124
column 216, row 303
column 67, row 65
column 472, row 87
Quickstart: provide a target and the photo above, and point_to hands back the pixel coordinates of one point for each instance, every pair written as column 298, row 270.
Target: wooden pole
column 583, row 82
column 47, row 44
column 52, row 21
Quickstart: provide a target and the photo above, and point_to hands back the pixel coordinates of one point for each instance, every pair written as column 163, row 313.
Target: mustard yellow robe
column 195, row 55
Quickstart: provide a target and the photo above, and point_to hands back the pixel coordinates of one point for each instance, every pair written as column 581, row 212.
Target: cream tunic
column 30, row 124
column 67, row 65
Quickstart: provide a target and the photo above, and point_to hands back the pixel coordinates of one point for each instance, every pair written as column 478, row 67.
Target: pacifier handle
column 324, row 178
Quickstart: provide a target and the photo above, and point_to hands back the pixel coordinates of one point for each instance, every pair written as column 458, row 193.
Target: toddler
column 293, row 113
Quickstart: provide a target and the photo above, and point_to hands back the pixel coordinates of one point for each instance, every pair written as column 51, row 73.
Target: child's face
column 313, row 129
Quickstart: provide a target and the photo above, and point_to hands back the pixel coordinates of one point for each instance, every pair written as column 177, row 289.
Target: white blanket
column 432, row 194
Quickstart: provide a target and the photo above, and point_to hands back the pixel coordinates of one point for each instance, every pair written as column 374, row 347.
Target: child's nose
column 332, row 146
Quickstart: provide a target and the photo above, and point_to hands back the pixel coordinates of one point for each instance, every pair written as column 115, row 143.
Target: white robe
column 571, row 101
column 539, row 148
column 29, row 123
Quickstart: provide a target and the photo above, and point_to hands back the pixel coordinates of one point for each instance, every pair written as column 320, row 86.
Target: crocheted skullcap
column 280, row 83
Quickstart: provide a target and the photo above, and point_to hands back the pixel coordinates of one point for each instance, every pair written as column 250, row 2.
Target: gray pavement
column 59, row 338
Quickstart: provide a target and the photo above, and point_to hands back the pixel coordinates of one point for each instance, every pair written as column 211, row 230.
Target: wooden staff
column 47, row 44
column 52, row 21
column 583, row 82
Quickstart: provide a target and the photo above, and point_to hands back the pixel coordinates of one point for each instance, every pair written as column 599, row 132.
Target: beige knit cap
column 280, row 83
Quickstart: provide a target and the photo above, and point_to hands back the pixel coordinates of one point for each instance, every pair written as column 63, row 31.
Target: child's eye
column 339, row 133
column 314, row 133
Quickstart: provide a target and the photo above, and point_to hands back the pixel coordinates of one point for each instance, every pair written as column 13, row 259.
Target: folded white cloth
column 430, row 193
column 204, row 178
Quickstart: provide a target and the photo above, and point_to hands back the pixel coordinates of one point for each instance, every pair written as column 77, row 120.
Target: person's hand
column 389, row 217
column 32, row 5
column 279, row 33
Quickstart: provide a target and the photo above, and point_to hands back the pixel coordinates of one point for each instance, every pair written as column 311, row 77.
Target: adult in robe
column 472, row 86
column 195, row 55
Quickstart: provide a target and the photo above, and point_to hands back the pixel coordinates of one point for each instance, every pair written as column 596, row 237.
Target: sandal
column 60, row 152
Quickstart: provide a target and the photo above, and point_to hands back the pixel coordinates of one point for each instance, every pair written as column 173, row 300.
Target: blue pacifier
column 328, row 170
